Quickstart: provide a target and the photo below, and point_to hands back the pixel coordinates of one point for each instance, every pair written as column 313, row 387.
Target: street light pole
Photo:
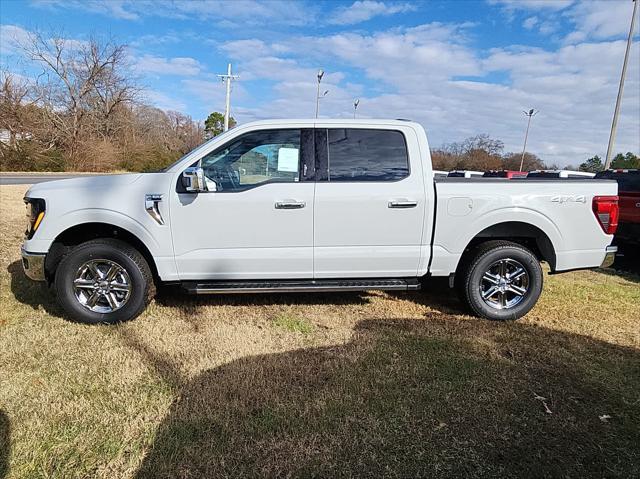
column 320, row 75
column 616, row 113
column 227, row 79
column 530, row 114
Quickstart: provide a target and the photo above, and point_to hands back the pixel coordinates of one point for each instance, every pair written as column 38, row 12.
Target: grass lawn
column 336, row 385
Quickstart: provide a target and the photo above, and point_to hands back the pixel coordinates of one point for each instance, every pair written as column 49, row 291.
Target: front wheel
column 103, row 281
column 502, row 280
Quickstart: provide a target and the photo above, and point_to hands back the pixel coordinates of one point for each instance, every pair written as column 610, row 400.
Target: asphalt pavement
column 30, row 179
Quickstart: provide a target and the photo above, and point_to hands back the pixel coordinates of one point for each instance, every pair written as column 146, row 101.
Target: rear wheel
column 103, row 281
column 501, row 280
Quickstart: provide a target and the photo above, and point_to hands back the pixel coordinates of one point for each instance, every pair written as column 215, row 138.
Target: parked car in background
column 567, row 174
column 504, row 174
column 440, row 173
column 629, row 201
column 465, row 174
column 310, row 205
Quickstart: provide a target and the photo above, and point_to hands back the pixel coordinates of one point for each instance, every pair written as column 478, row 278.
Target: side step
column 301, row 285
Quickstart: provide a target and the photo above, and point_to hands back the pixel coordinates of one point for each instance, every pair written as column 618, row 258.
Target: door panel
column 358, row 235
column 243, row 235
column 258, row 223
column 372, row 225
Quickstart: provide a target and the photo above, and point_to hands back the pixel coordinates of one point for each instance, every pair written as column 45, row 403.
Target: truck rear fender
column 525, row 234
column 532, row 229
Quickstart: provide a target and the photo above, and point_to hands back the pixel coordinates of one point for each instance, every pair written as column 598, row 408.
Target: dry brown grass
column 327, row 385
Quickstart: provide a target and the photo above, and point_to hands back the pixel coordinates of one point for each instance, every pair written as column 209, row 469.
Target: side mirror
column 193, row 179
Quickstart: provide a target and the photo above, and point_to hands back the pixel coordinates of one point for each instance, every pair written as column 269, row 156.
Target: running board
column 298, row 286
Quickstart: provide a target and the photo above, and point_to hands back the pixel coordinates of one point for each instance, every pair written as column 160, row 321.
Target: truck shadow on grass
column 628, row 261
column 175, row 297
column 407, row 398
column 31, row 293
column 5, row 443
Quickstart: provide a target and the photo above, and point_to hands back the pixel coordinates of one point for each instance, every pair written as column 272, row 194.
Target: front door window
column 259, row 157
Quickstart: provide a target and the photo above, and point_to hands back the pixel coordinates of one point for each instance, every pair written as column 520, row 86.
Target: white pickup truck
column 310, row 205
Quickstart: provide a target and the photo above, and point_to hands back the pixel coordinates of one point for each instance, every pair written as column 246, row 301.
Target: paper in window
column 288, row 159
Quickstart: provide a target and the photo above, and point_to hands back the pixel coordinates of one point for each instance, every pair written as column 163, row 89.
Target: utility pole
column 616, row 113
column 228, row 78
column 356, row 102
column 530, row 114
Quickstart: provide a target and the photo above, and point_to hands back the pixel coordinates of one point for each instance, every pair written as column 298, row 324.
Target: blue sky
column 458, row 67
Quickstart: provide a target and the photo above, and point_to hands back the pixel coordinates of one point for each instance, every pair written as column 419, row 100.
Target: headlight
column 35, row 214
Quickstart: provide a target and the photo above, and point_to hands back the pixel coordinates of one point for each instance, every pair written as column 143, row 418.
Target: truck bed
column 559, row 211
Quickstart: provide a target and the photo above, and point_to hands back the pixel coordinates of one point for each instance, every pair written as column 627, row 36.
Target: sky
column 458, row 67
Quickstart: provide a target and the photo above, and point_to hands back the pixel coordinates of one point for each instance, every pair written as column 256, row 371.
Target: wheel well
column 88, row 231
column 525, row 234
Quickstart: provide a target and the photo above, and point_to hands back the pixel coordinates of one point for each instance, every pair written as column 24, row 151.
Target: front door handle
column 290, row 205
column 402, row 204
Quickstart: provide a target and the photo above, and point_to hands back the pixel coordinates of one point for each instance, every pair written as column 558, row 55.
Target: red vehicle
column 504, row 174
column 629, row 194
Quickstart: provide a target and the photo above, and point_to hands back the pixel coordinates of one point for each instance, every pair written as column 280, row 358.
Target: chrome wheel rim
column 504, row 284
column 102, row 286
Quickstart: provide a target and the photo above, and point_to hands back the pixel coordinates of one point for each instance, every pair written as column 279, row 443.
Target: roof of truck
column 329, row 121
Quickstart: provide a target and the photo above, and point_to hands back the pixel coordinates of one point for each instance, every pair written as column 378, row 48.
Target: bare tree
column 187, row 132
column 23, row 137
column 81, row 87
column 531, row 162
column 14, row 108
column 480, row 152
column 83, row 112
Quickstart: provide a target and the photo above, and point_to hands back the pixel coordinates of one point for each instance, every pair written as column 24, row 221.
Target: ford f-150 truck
column 310, row 205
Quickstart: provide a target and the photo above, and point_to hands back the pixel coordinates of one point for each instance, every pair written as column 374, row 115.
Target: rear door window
column 367, row 155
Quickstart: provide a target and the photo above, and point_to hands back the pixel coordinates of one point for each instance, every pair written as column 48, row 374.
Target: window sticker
column 288, row 159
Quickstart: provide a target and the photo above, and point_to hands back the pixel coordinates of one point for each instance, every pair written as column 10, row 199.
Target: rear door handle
column 402, row 204
column 290, row 205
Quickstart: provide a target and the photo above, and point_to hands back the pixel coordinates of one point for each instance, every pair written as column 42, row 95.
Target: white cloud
column 164, row 101
column 211, row 94
column 401, row 58
column 530, row 22
column 182, row 66
column 364, row 10
column 600, row 20
column 532, row 4
column 239, row 12
column 418, row 70
column 548, row 27
column 112, row 8
column 10, row 37
column 251, row 48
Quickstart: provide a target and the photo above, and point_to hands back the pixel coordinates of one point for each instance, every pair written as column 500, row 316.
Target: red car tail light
column 607, row 212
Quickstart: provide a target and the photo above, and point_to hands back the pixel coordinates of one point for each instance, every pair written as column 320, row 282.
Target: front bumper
column 33, row 265
column 609, row 257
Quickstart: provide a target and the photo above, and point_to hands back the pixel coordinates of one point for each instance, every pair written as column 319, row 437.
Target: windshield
column 195, row 151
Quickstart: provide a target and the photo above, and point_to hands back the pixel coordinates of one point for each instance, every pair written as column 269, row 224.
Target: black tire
column 511, row 257
column 140, row 281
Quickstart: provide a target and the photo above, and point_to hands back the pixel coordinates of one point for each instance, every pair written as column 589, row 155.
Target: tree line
column 482, row 153
column 85, row 111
